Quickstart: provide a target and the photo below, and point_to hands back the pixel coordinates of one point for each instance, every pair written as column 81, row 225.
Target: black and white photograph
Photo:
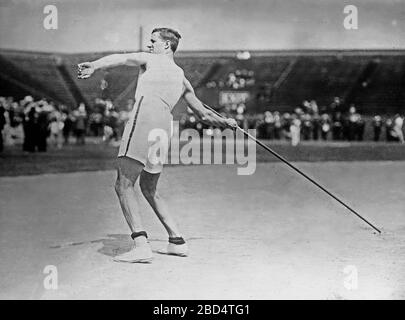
column 217, row 150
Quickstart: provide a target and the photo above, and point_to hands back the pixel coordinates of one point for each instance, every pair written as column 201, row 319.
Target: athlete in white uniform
column 161, row 84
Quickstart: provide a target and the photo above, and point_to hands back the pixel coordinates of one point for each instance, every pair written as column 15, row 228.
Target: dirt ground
column 271, row 235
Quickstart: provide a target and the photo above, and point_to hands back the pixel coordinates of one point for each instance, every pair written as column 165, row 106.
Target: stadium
column 334, row 112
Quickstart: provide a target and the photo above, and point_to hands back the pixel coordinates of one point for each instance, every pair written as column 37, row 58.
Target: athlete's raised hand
column 85, row 70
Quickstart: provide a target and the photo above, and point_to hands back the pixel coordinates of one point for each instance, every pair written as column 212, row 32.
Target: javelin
column 297, row 170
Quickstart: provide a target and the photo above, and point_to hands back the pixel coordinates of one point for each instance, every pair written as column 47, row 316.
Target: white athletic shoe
column 180, row 250
column 137, row 255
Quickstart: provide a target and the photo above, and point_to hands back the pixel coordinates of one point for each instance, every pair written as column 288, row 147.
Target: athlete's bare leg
column 128, row 172
column 177, row 246
column 148, row 183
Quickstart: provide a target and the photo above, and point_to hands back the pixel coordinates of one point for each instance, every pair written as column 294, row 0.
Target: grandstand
column 373, row 80
column 384, row 87
column 319, row 78
column 39, row 72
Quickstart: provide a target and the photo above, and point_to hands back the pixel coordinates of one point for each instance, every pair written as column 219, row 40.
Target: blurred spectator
column 377, row 127
column 261, row 127
column 397, row 132
column 96, row 123
column 325, row 126
column 295, row 129
column 15, row 116
column 316, row 124
column 306, row 106
column 67, row 126
column 298, row 111
column 240, row 117
column 353, row 118
column 264, row 125
column 80, row 116
column 277, row 125
column 31, row 131
column 306, row 126
column 313, row 107
column 360, row 127
column 56, row 127
column 111, row 123
column 43, row 129
column 269, row 125
column 337, row 126
column 389, row 125
column 286, row 125
column 336, row 106
column 239, row 79
column 231, row 82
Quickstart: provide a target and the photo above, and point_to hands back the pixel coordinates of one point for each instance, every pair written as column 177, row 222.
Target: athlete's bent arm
column 203, row 113
column 86, row 69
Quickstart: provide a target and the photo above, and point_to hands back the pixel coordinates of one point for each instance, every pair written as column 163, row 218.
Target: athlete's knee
column 122, row 184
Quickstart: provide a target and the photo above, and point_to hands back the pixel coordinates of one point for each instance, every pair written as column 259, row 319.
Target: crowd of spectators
column 335, row 122
column 36, row 124
column 239, row 79
column 33, row 123
column 107, row 122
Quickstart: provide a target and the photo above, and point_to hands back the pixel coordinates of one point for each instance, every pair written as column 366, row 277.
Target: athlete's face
column 157, row 44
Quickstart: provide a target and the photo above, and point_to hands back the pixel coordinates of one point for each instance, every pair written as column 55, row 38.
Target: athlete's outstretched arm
column 203, row 113
column 86, row 69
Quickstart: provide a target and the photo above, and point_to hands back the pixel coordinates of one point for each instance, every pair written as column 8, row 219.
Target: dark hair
column 171, row 35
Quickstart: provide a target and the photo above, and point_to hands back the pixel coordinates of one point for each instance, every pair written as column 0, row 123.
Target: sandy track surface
column 270, row 235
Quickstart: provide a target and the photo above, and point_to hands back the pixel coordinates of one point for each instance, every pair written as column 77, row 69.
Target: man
column 397, row 128
column 377, row 126
column 161, row 84
column 295, row 129
column 80, row 116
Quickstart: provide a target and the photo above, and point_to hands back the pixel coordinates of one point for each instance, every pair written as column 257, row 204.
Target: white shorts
column 147, row 134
